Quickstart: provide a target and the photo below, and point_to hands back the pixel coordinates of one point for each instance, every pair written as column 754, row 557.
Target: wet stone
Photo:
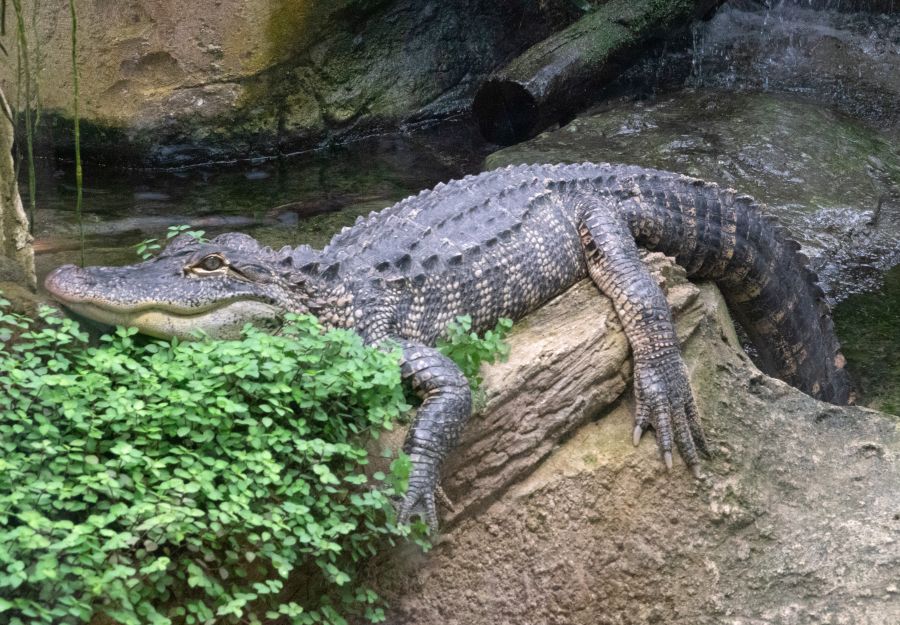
column 833, row 181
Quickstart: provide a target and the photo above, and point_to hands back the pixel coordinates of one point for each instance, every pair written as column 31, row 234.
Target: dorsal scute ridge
column 791, row 251
column 559, row 186
column 536, row 201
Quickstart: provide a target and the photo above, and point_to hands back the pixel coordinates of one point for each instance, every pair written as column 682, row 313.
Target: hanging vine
column 31, row 107
column 3, row 27
column 78, row 172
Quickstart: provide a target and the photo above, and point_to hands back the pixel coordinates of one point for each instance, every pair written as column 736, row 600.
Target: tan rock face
column 180, row 81
column 560, row 520
column 137, row 54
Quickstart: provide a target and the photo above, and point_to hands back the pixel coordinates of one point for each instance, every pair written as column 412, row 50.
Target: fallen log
column 552, row 79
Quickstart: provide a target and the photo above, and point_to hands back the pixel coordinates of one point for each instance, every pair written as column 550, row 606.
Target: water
column 822, row 50
column 306, row 198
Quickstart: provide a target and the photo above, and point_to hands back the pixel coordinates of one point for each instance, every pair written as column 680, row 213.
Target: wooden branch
column 552, row 79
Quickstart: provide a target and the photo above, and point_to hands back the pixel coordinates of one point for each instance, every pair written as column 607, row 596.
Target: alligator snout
column 68, row 282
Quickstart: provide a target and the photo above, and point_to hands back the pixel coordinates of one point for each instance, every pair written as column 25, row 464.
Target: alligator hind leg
column 661, row 387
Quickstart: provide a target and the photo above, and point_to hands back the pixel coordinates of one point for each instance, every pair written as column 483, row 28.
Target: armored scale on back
column 499, row 244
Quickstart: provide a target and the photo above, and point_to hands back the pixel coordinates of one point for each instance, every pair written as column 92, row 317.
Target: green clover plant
column 191, row 482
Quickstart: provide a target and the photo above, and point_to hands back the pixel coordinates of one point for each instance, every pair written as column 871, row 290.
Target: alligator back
column 502, row 243
column 495, row 245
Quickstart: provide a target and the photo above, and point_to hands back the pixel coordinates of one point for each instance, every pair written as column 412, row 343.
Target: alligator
column 499, row 244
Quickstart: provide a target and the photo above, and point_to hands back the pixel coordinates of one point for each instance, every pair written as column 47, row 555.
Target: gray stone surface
column 845, row 53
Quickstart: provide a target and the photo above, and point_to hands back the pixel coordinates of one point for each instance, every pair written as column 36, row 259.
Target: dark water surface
column 305, row 198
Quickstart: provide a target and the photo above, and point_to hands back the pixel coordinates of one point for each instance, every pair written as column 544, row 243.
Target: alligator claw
column 423, row 506
column 419, row 500
column 443, row 499
column 665, row 402
column 418, row 505
column 638, row 433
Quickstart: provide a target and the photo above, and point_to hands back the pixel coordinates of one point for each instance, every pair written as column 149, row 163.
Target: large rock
column 835, row 51
column 842, row 53
column 174, row 82
column 571, row 360
column 560, row 520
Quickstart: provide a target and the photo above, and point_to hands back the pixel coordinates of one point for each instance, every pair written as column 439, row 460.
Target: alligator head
column 216, row 286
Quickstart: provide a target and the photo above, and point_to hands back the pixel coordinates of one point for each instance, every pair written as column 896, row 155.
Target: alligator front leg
column 446, row 405
column 662, row 391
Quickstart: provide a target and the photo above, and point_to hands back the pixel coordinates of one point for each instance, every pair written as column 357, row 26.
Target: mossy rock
column 834, row 181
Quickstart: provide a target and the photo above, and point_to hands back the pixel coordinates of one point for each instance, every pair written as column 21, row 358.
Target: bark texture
column 16, row 255
column 553, row 79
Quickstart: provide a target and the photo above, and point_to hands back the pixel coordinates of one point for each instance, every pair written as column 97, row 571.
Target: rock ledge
column 560, row 520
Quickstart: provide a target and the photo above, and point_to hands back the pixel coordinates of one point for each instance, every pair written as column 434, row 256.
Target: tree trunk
column 15, row 240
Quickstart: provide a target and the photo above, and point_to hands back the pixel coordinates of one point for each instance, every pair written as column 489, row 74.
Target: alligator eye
column 212, row 263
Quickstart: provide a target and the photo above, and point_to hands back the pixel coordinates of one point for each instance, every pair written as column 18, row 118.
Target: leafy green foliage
column 867, row 325
column 468, row 350
column 148, row 248
column 185, row 482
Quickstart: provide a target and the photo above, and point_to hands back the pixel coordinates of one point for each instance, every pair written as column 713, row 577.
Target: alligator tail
column 721, row 235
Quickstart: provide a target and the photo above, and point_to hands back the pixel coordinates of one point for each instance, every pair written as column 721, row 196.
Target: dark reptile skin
column 500, row 244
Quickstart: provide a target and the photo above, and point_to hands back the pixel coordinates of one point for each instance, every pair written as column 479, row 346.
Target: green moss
column 659, row 15
column 869, row 329
column 289, row 27
column 295, row 25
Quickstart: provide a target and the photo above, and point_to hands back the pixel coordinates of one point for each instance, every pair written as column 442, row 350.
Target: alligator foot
column 664, row 399
column 419, row 500
column 447, row 402
column 665, row 402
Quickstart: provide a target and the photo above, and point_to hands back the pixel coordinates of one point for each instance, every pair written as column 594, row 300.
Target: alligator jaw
column 76, row 289
column 222, row 322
